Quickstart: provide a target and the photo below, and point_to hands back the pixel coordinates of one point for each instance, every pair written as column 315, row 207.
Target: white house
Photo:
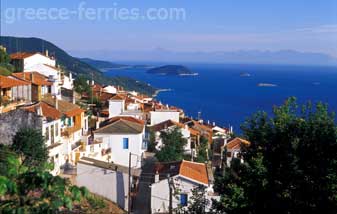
column 23, row 60
column 162, row 115
column 51, row 130
column 184, row 176
column 233, row 149
column 124, row 135
column 116, row 106
column 107, row 179
column 110, row 89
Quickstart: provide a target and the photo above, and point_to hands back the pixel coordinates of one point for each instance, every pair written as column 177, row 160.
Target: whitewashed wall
column 116, row 107
column 107, row 183
column 161, row 116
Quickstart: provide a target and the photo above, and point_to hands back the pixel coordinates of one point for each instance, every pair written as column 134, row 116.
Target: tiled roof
column 166, row 124
column 118, row 97
column 121, row 125
column 34, row 77
column 47, row 110
column 11, row 81
column 65, row 107
column 236, row 143
column 197, row 172
column 21, row 55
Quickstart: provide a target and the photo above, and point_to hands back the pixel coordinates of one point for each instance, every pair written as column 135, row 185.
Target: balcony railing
column 67, row 132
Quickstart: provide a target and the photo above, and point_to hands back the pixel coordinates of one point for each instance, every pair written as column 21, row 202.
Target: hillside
column 172, row 70
column 102, row 65
column 72, row 64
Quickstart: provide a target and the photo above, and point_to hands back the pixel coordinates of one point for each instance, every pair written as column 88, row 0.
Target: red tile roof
column 11, row 81
column 34, row 77
column 47, row 110
column 21, row 55
column 197, row 172
column 166, row 124
column 236, row 143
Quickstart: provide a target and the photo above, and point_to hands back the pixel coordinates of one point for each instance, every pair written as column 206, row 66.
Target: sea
column 228, row 94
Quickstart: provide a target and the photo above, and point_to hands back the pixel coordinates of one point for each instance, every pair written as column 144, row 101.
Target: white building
column 184, row 177
column 233, row 149
column 51, row 130
column 23, row 60
column 116, row 106
column 123, row 135
column 110, row 89
column 107, row 179
column 159, row 116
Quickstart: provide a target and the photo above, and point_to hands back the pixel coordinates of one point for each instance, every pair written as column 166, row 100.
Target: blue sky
column 218, row 25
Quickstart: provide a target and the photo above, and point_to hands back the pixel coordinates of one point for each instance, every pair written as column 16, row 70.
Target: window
column 183, row 200
column 144, row 145
column 125, row 143
column 47, row 133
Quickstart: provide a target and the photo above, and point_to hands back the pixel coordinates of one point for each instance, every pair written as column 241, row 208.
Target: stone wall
column 11, row 122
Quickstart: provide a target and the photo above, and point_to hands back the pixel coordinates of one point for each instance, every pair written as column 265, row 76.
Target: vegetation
column 6, row 68
column 81, row 85
column 72, row 64
column 26, row 188
column 197, row 203
column 290, row 166
column 202, row 151
column 173, row 146
column 171, row 70
column 152, row 142
column 30, row 146
column 102, row 65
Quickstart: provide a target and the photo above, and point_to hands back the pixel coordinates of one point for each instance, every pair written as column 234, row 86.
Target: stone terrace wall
column 11, row 122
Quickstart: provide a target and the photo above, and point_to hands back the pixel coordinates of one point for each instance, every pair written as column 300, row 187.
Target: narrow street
column 142, row 203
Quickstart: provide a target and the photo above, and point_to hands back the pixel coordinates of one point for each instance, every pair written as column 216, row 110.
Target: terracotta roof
column 21, row 55
column 121, row 125
column 47, row 110
column 197, row 172
column 118, row 97
column 166, row 124
column 33, row 77
column 11, row 81
column 64, row 107
column 236, row 143
column 194, row 132
column 96, row 87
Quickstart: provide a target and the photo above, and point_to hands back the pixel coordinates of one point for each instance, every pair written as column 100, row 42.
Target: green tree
column 6, row 68
column 173, row 146
column 152, row 141
column 4, row 57
column 81, row 85
column 30, row 145
column 290, row 166
column 198, row 201
column 202, row 150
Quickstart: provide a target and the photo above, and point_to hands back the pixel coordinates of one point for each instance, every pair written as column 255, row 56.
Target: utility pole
column 129, row 191
column 170, row 188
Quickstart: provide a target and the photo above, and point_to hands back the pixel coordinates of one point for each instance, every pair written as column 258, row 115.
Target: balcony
column 8, row 105
column 67, row 132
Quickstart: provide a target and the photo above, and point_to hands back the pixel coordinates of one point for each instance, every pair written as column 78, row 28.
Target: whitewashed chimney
column 156, row 177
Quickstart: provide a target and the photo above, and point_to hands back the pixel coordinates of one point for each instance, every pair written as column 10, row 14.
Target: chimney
column 47, row 53
column 156, row 177
column 213, row 123
column 92, row 82
column 56, row 102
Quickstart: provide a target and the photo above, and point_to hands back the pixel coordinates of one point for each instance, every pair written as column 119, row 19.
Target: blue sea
column 225, row 97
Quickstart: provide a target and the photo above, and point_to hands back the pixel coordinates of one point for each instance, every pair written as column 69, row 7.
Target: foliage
column 34, row 190
column 173, row 146
column 202, row 150
column 197, row 203
column 30, row 145
column 152, row 142
column 81, row 85
column 290, row 166
column 4, row 57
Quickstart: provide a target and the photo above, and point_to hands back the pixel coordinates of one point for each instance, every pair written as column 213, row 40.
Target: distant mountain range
column 72, row 64
column 241, row 57
column 103, row 65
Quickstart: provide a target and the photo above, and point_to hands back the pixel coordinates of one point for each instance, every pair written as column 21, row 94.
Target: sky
column 206, row 26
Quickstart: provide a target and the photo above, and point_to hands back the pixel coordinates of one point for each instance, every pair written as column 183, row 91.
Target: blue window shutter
column 125, row 143
column 183, row 199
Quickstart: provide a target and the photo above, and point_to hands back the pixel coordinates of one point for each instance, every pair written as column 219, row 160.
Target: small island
column 177, row 70
column 266, row 85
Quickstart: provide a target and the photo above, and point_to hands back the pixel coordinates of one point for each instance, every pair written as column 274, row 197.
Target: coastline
column 160, row 90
